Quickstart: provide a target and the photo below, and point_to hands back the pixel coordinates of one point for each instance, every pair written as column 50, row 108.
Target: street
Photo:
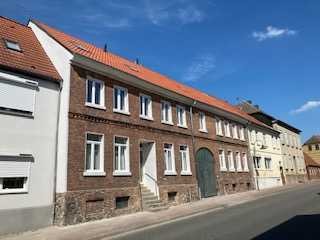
column 294, row 214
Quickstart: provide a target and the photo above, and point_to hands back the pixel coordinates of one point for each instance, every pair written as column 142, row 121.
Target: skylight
column 13, row 45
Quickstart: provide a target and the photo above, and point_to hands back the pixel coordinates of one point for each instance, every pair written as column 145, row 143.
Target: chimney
column 137, row 61
column 105, row 49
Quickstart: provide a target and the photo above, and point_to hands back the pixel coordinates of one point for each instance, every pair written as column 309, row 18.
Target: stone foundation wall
column 82, row 206
column 184, row 193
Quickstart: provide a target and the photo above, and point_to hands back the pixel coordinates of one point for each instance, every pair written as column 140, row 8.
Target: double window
column 227, row 129
column 230, row 161
column 95, row 93
column 202, row 122
column 235, row 132
column 267, row 163
column 238, row 161
column 169, row 159
column 185, row 160
column 222, row 160
column 245, row 162
column 219, row 127
column 94, row 155
column 145, row 107
column 166, row 112
column 120, row 100
column 257, row 162
column 121, row 156
column 241, row 131
column 181, row 116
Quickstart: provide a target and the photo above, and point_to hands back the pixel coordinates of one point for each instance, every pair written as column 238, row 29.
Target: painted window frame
column 245, row 164
column 25, row 188
column 126, row 171
column 117, row 100
column 100, row 105
column 142, row 107
column 181, row 109
column 173, row 165
column 230, row 160
column 239, row 166
column 219, row 127
column 241, row 133
column 163, row 109
column 185, row 170
column 227, row 132
column 222, row 160
column 12, row 45
column 235, row 133
column 269, row 165
column 91, row 171
column 202, row 122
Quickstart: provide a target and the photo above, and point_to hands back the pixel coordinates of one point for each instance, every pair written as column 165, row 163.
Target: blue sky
column 265, row 51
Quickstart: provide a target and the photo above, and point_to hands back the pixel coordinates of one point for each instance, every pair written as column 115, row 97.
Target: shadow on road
column 298, row 227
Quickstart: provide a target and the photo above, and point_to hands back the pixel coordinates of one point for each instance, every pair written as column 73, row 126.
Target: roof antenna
column 105, row 49
column 137, row 61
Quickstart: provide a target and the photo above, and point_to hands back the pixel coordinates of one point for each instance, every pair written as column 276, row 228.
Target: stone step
column 156, row 209
column 151, row 201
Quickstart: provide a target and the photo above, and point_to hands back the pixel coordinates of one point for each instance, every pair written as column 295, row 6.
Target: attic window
column 133, row 68
column 12, row 45
column 82, row 47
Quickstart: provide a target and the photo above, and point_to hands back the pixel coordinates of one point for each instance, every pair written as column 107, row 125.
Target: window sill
column 203, row 130
column 185, row 173
column 146, row 118
column 220, row 135
column 223, row 169
column 170, row 173
column 94, row 174
column 182, row 126
column 95, row 106
column 167, row 123
column 13, row 191
column 120, row 173
column 16, row 113
column 232, row 169
column 121, row 112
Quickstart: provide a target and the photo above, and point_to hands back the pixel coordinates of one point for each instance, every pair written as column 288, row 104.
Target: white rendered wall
column 60, row 58
column 36, row 136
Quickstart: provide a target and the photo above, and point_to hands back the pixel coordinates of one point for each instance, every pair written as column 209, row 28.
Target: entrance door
column 205, row 173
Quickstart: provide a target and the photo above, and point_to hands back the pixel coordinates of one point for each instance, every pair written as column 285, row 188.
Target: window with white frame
column 241, row 131
column 202, row 122
column 238, row 161
column 219, row 127
column 14, row 174
column 222, row 160
column 185, row 160
column 95, row 93
column 169, row 159
column 94, row 154
column 267, row 163
column 230, row 161
column 227, row 129
column 257, row 162
column 235, row 131
column 120, row 100
column 121, row 156
column 166, row 112
column 245, row 162
column 145, row 107
column 181, row 116
column 253, row 136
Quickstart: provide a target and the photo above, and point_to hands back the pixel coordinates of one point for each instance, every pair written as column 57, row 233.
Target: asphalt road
column 294, row 214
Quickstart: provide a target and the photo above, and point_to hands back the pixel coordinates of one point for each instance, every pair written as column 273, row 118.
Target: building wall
column 100, row 191
column 294, row 171
column 313, row 172
column 37, row 136
column 265, row 144
column 314, row 153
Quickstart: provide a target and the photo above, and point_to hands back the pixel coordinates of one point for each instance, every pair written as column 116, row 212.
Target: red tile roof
column 310, row 161
column 88, row 50
column 32, row 60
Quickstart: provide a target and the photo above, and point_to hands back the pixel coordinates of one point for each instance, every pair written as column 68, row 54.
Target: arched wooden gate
column 205, row 173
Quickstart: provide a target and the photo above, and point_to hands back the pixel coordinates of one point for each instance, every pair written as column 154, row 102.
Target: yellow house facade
column 312, row 148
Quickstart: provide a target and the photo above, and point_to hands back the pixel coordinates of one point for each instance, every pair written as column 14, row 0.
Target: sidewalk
column 106, row 228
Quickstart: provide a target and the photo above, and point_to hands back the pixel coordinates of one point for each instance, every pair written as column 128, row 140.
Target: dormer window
column 12, row 45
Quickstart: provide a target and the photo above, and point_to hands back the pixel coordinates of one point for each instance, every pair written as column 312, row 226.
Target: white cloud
column 199, row 68
column 190, row 14
column 273, row 32
column 307, row 107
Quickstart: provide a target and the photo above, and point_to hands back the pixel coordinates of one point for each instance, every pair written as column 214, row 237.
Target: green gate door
column 205, row 173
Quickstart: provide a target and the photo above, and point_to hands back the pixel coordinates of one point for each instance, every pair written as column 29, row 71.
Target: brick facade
column 93, row 197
